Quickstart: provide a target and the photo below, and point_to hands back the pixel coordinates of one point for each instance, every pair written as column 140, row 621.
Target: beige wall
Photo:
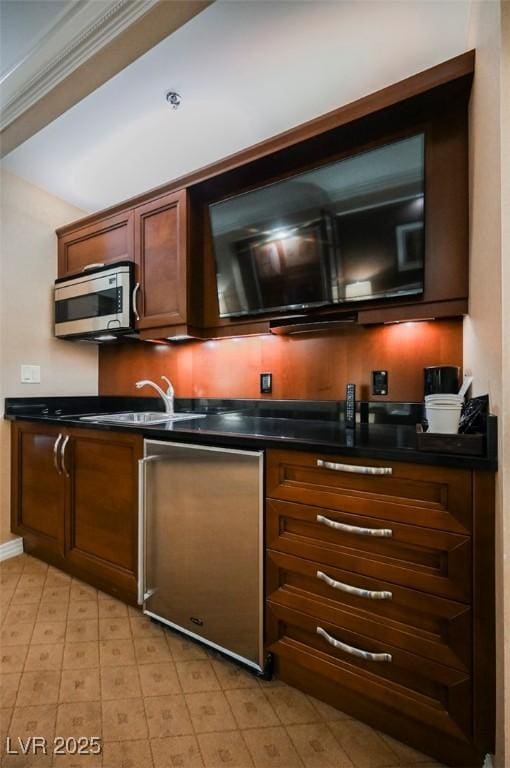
column 28, row 251
column 487, row 327
column 505, row 427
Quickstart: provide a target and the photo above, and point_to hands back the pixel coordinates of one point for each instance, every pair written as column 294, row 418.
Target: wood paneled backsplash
column 312, row 366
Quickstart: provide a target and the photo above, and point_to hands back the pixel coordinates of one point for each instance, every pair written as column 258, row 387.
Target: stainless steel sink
column 135, row 418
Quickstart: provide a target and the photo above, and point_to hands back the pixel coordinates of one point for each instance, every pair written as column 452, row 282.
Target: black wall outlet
column 266, row 383
column 379, row 382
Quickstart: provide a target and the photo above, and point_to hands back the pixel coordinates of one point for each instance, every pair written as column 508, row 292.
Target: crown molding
column 77, row 35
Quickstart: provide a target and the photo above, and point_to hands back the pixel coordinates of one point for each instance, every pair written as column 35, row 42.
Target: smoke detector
column 174, row 99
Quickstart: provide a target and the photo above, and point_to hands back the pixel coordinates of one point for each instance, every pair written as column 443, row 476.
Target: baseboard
column 11, row 548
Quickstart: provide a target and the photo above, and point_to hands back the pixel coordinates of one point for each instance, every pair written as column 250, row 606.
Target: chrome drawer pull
column 369, row 594
column 381, row 532
column 354, row 468
column 360, row 654
column 55, row 453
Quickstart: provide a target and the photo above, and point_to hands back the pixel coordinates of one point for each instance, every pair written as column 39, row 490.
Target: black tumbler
column 441, row 379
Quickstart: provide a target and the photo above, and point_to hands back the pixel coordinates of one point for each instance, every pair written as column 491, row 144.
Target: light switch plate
column 30, row 374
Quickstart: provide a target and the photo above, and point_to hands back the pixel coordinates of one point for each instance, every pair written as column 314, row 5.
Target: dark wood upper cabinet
column 107, row 240
column 166, row 231
column 161, row 259
column 446, row 284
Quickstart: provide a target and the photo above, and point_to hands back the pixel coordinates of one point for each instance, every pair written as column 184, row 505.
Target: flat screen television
column 352, row 230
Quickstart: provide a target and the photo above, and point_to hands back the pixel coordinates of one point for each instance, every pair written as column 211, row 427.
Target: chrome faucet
column 167, row 397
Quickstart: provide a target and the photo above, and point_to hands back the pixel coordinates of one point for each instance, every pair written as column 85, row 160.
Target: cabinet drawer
column 436, row 695
column 414, row 621
column 437, row 562
column 434, row 497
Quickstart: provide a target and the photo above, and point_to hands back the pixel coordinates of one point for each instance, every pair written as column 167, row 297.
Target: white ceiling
column 246, row 71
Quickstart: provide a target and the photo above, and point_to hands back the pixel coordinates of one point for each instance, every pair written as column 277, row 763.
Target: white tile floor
column 75, row 662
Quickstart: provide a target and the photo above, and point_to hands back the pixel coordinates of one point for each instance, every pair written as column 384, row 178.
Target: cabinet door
column 38, row 487
column 102, row 515
column 104, row 241
column 160, row 254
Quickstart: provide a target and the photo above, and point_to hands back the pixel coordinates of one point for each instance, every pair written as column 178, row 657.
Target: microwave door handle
column 97, row 265
column 135, row 307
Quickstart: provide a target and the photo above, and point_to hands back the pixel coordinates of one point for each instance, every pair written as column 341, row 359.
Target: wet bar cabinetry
column 161, row 247
column 108, row 239
column 166, row 231
column 155, row 237
column 74, row 501
column 379, row 574
column 379, row 582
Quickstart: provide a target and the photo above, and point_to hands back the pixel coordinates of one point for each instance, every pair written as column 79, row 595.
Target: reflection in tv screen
column 348, row 231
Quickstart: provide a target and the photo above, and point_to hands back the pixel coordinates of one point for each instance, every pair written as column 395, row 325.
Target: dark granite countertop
column 387, row 432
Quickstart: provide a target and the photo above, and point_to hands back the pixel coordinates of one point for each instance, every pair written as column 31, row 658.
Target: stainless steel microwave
column 97, row 305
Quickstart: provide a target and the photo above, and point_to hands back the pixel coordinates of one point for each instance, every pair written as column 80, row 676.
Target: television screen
column 348, row 231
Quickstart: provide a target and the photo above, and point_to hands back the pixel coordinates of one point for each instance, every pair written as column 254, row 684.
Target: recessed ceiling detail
column 174, row 99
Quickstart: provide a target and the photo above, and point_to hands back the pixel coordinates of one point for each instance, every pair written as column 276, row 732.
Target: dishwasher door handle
column 141, row 530
column 143, row 595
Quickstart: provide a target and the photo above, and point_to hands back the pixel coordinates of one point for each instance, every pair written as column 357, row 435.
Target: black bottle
column 441, row 379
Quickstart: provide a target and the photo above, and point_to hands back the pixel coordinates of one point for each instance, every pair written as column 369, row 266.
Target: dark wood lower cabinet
column 423, row 624
column 102, row 517
column 437, row 695
column 379, row 584
column 38, row 490
column 381, row 715
column 75, row 502
column 380, row 595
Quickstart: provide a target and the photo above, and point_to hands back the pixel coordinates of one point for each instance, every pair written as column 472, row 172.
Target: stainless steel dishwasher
column 201, row 544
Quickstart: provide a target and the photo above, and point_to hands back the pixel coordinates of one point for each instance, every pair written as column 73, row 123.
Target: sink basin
column 135, row 418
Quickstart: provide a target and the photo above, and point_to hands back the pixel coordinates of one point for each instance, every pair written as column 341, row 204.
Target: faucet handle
column 170, row 389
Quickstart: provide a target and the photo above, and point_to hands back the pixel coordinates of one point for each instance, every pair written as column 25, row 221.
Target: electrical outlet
column 266, row 383
column 379, row 382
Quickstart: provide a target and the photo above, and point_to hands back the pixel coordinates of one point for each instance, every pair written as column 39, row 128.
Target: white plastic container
column 443, row 419
column 443, row 399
